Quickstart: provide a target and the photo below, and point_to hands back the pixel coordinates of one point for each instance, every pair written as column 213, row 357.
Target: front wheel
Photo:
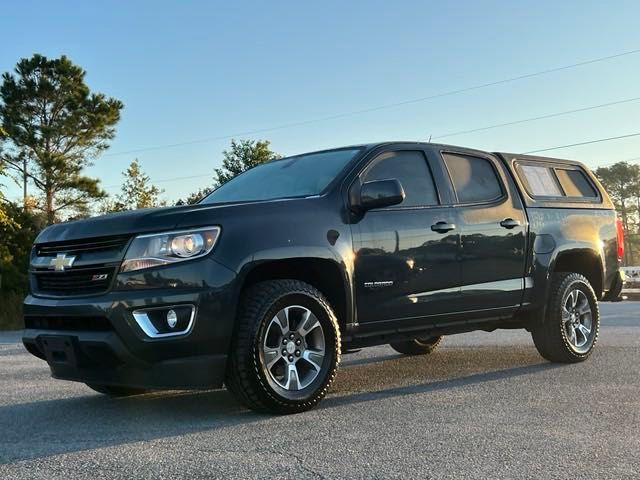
column 286, row 348
column 570, row 330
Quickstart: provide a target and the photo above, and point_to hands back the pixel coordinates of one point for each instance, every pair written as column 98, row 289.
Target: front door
column 406, row 255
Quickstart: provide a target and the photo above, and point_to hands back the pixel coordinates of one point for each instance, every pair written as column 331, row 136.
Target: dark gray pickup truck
column 267, row 280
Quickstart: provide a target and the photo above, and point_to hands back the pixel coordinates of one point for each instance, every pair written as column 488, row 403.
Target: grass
column 11, row 311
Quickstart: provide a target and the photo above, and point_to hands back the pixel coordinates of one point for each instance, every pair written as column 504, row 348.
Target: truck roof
column 512, row 162
column 444, row 146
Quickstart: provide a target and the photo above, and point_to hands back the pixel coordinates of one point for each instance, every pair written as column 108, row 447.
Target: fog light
column 172, row 319
column 169, row 321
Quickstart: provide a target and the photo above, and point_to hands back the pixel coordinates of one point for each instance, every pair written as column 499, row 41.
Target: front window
column 299, row 176
column 412, row 171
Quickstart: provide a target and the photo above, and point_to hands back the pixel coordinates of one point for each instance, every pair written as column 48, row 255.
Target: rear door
column 406, row 256
column 493, row 229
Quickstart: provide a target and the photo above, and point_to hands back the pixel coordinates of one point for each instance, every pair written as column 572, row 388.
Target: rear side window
column 541, row 181
column 555, row 181
column 474, row 178
column 412, row 170
column 575, row 183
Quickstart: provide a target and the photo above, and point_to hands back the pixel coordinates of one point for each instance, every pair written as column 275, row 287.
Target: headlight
column 157, row 249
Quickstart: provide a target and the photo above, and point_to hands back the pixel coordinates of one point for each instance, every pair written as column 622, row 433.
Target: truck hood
column 149, row 220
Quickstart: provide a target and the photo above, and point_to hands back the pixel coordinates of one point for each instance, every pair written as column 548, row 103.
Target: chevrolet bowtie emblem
column 61, row 262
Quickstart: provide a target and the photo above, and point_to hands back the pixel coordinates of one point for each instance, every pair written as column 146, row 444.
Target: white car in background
column 631, row 279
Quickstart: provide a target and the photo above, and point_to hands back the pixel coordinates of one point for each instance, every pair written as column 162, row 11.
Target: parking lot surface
column 485, row 405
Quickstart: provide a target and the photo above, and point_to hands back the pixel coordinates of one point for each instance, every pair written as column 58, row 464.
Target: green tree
column 16, row 238
column 54, row 126
column 136, row 192
column 195, row 197
column 241, row 156
column 622, row 182
column 4, row 217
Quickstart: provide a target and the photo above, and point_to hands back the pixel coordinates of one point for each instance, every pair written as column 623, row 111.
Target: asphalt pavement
column 485, row 405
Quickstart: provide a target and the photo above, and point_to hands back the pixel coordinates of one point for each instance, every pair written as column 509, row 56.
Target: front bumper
column 97, row 339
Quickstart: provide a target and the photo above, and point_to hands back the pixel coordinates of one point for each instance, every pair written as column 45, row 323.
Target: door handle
column 509, row 223
column 443, row 227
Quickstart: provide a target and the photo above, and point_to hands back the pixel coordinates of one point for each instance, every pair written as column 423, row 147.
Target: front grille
column 78, row 281
column 92, row 264
column 82, row 246
column 94, row 324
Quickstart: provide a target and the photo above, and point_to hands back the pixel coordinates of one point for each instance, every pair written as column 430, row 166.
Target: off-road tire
column 417, row 346
column 550, row 336
column 247, row 378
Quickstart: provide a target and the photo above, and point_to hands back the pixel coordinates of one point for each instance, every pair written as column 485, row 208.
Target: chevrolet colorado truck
column 263, row 283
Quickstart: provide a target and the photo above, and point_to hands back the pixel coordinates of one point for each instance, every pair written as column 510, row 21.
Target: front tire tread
column 243, row 375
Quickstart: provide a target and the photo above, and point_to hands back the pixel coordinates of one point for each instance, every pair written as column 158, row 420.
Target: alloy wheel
column 293, row 349
column 577, row 319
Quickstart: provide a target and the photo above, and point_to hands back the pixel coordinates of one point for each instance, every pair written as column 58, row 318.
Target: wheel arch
column 327, row 275
column 586, row 262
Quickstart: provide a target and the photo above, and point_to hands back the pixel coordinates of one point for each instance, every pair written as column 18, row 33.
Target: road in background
column 485, row 405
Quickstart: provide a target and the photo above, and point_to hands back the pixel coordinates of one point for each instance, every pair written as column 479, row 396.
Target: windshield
column 300, row 176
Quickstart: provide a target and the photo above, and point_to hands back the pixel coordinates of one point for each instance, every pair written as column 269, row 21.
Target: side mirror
column 380, row 194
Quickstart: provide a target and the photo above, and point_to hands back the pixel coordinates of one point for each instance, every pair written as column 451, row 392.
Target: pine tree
column 53, row 126
column 4, row 217
column 136, row 192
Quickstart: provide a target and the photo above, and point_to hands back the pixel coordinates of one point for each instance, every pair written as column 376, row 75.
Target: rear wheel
column 570, row 330
column 286, row 348
column 417, row 346
column 114, row 391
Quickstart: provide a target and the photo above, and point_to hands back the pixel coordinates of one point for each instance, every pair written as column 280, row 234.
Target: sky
column 192, row 72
